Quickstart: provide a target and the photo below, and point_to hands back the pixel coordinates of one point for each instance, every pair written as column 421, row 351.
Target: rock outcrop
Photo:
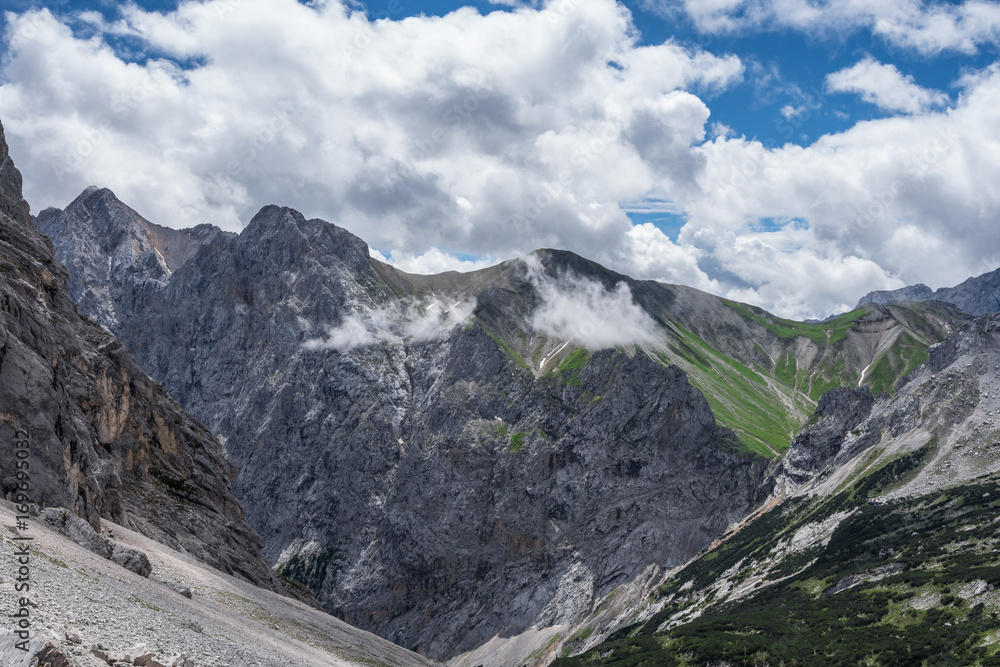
column 105, row 440
column 840, row 411
column 84, row 534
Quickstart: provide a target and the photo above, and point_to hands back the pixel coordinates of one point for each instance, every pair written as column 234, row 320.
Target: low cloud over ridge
column 394, row 324
column 583, row 311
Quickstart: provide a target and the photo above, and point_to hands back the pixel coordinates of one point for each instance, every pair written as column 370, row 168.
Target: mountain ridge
column 488, row 373
column 978, row 295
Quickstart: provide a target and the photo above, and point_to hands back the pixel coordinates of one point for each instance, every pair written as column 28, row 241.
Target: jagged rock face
column 106, row 440
column 840, row 411
column 428, row 487
column 135, row 256
column 976, row 296
column 948, row 401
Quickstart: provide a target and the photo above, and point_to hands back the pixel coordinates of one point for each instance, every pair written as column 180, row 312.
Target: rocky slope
column 878, row 547
column 106, row 441
column 451, row 459
column 976, row 296
column 89, row 612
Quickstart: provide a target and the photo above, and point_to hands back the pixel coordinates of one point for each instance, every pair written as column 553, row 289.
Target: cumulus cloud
column 397, row 324
column 442, row 140
column 583, row 311
column 415, row 133
column 884, row 86
column 926, row 27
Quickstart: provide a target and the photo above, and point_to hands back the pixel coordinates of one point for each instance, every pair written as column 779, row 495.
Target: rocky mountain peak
column 107, row 441
column 978, row 295
column 12, row 202
column 290, row 237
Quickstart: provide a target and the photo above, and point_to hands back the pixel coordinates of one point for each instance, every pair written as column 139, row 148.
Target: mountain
column 153, row 551
column 106, row 440
column 878, row 546
column 134, row 251
column 458, row 460
column 975, row 296
column 428, row 486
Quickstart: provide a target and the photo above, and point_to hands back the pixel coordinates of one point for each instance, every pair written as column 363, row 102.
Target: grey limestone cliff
column 106, row 441
column 136, row 256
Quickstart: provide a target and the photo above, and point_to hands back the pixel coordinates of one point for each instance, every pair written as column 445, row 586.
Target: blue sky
column 790, row 153
column 753, row 108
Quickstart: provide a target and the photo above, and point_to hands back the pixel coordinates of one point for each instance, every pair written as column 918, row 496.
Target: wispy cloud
column 926, row 27
column 395, row 324
column 583, row 311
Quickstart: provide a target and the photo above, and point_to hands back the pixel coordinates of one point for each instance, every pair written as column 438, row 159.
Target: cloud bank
column 445, row 140
column 396, row 324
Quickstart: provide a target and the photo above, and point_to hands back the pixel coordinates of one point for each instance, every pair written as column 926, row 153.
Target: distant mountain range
column 975, row 296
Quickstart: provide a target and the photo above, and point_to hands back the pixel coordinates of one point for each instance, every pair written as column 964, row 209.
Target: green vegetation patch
column 833, row 331
column 311, row 570
column 785, row 369
column 511, row 352
column 901, row 359
column 178, row 486
column 891, row 588
column 570, row 367
column 517, row 441
column 740, row 397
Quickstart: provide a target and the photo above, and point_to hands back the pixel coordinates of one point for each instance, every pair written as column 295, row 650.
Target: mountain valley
column 542, row 460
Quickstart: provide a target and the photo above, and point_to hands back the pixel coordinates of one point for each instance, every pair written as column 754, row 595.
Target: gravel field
column 87, row 606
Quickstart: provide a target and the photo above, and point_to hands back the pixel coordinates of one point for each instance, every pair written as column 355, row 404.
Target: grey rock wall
column 106, row 440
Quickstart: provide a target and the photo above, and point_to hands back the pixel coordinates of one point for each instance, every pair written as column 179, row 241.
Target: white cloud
column 367, row 327
column 884, row 86
column 581, row 310
column 493, row 135
column 926, row 27
column 433, row 261
column 790, row 111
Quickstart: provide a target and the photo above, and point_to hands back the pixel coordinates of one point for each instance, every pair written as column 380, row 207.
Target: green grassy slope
column 767, row 391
